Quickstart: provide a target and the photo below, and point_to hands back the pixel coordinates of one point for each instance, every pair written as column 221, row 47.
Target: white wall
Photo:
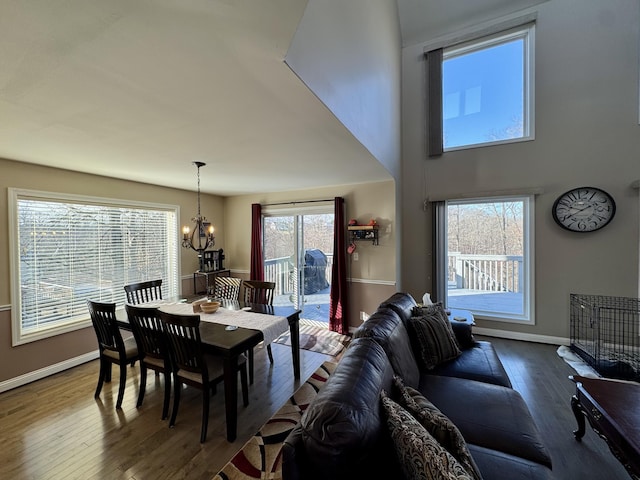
column 587, row 133
column 348, row 54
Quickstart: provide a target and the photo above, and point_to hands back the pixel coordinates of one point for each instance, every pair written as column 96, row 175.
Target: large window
column 486, row 91
column 488, row 265
column 68, row 249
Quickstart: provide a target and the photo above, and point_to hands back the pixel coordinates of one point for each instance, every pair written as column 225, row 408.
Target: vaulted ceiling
column 139, row 89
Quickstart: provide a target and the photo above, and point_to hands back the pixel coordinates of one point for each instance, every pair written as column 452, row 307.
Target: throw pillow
column 420, row 456
column 432, row 336
column 437, row 424
column 435, row 310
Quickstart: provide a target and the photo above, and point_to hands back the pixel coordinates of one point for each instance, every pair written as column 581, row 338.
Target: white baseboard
column 46, row 371
column 527, row 337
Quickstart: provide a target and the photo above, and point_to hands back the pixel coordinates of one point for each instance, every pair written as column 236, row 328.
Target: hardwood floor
column 55, row 429
column 541, row 377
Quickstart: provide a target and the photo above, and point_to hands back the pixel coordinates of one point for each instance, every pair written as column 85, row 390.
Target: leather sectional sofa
column 343, row 434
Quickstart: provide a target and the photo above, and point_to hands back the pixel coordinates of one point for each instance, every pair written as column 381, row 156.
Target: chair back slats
column 103, row 318
column 184, row 342
column 148, row 331
column 227, row 288
column 259, row 292
column 143, row 292
column 113, row 349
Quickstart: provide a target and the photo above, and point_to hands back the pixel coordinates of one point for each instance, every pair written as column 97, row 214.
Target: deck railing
column 281, row 271
column 496, row 273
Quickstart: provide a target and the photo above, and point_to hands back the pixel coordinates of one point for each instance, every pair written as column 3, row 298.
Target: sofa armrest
column 463, row 334
column 293, row 461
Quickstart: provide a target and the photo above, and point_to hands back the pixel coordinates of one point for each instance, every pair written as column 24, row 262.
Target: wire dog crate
column 605, row 333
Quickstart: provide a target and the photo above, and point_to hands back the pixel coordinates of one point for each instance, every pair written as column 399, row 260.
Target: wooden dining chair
column 258, row 292
column 227, row 288
column 154, row 354
column 113, row 348
column 143, row 292
column 194, row 367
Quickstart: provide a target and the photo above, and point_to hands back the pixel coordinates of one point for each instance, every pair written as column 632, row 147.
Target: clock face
column 584, row 209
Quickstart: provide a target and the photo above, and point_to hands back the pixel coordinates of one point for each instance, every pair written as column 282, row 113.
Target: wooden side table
column 613, row 411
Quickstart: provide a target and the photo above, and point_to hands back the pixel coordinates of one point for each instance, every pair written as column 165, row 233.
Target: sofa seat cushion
column 479, row 363
column 493, row 465
column 419, row 454
column 386, row 328
column 343, row 431
column 487, row 415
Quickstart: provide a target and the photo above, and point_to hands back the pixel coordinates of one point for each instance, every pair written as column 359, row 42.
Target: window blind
column 74, row 250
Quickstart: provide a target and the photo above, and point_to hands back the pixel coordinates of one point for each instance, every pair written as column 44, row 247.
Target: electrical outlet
column 355, row 256
column 364, row 316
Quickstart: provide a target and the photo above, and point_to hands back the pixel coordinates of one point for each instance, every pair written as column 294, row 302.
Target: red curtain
column 338, row 303
column 256, row 271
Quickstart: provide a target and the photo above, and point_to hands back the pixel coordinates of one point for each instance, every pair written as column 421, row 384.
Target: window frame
column 75, row 322
column 528, row 238
column 435, row 84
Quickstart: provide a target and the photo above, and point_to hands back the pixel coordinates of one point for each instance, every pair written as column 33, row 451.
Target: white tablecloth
column 271, row 326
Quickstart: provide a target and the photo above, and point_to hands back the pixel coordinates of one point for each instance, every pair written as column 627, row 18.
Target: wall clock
column 584, row 209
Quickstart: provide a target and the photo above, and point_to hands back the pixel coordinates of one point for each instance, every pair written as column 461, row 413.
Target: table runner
column 271, row 326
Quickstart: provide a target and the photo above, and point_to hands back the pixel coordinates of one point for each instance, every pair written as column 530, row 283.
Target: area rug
column 261, row 456
column 317, row 339
column 575, row 362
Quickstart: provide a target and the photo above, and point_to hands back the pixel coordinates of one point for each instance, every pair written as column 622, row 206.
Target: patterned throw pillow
column 432, row 336
column 420, row 456
column 437, row 424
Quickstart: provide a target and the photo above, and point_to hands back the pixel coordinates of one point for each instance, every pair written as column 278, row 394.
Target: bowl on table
column 209, row 307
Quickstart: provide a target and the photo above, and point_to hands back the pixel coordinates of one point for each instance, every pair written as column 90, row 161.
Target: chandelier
column 201, row 238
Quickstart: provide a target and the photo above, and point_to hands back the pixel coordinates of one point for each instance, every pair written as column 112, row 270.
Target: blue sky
column 483, row 94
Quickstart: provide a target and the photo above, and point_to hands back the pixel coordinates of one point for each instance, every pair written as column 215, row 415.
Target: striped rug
column 316, row 337
column 261, row 457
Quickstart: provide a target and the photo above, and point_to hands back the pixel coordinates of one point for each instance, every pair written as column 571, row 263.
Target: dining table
column 230, row 340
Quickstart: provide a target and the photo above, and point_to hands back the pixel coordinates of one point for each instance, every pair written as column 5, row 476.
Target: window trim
column 75, row 323
column 528, row 317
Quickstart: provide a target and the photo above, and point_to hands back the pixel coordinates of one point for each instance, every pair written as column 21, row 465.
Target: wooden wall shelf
column 363, row 232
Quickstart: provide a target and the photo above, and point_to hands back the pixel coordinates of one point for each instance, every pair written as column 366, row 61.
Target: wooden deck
column 481, row 300
column 316, row 305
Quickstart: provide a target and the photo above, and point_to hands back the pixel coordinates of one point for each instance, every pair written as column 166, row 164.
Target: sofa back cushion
column 386, row 327
column 342, row 435
column 402, row 303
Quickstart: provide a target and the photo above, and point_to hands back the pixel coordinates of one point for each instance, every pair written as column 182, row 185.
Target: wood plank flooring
column 55, row 429
column 541, row 377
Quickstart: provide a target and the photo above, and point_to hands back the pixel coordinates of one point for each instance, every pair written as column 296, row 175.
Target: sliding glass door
column 298, row 253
